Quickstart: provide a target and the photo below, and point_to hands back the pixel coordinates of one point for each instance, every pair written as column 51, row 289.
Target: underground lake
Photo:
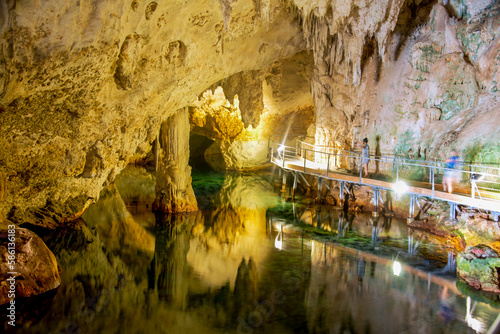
column 249, row 261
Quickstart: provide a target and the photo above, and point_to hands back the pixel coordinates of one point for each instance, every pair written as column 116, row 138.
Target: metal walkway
column 392, row 173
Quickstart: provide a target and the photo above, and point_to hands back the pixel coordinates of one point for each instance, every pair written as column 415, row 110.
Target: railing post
column 360, row 169
column 397, row 172
column 328, row 164
column 305, row 155
column 433, row 172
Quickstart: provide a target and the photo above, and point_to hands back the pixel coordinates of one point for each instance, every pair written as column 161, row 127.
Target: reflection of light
column 281, row 148
column 475, row 324
column 396, row 267
column 278, row 242
column 400, row 187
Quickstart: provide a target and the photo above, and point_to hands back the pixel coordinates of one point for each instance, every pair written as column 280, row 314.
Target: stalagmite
column 173, row 174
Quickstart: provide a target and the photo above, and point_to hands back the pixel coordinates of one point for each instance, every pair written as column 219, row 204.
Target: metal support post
column 304, row 179
column 294, row 212
column 375, row 200
column 412, row 205
column 295, row 179
column 341, row 188
column 283, row 184
column 453, row 210
column 318, row 218
column 320, row 181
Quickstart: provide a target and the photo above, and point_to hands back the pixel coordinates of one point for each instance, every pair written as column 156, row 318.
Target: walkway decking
column 289, row 160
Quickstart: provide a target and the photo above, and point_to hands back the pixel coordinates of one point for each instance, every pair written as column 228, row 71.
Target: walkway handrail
column 302, row 150
column 404, row 159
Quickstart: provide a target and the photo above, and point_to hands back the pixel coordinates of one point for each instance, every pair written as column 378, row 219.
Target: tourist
column 449, row 172
column 366, row 156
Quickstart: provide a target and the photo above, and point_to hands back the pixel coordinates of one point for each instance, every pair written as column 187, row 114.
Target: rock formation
column 407, row 72
column 35, row 270
column 241, row 112
column 86, row 87
column 479, row 267
column 174, row 192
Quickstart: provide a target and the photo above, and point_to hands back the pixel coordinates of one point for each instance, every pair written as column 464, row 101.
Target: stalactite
column 265, row 11
column 344, row 56
column 226, row 7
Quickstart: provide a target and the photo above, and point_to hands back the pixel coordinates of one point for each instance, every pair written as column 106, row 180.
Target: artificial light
column 396, row 268
column 400, row 187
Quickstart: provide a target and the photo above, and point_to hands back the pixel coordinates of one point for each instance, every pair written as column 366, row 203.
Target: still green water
column 248, row 262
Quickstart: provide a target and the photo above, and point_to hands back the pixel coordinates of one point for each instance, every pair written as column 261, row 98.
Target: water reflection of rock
column 210, row 260
column 237, row 230
column 168, row 273
column 95, row 282
column 103, row 291
column 117, row 228
column 136, row 185
column 245, row 289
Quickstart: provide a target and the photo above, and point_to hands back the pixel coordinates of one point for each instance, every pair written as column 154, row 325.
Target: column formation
column 174, row 192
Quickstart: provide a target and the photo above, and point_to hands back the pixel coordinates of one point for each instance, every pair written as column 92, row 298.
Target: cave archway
column 204, row 154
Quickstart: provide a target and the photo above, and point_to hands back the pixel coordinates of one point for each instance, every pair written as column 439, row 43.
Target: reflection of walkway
column 351, row 289
column 334, row 164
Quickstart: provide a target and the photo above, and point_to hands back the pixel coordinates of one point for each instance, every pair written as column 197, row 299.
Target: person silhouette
column 449, row 171
column 365, row 156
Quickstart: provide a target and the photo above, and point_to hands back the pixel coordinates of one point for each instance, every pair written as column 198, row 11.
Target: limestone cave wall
column 412, row 76
column 85, row 86
column 240, row 113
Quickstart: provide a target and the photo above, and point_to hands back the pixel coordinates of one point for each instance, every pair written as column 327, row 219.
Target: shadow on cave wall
column 411, row 17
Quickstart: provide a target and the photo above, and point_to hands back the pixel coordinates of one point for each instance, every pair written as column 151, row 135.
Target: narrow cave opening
column 204, row 154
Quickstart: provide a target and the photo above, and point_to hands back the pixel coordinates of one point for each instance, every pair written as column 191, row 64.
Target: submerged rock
column 479, row 266
column 35, row 269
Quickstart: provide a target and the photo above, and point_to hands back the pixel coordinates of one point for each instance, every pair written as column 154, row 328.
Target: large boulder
column 35, row 269
column 479, row 266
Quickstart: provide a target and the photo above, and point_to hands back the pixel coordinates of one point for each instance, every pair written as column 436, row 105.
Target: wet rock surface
column 479, row 266
column 35, row 270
